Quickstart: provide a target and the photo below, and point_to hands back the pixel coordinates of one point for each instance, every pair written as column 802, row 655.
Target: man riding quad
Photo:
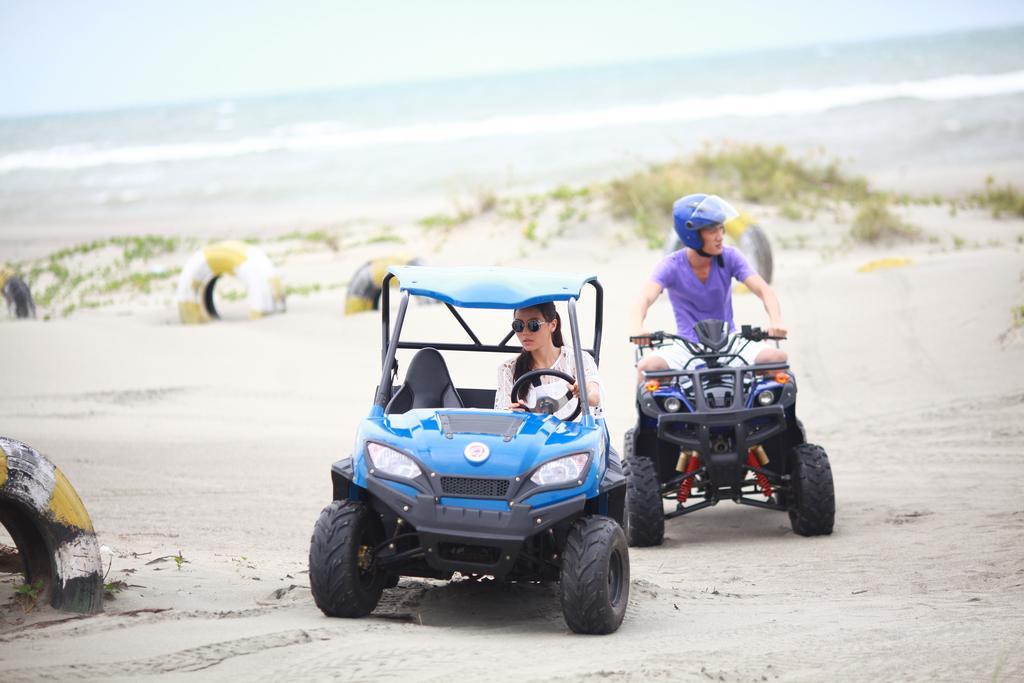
column 716, row 412
column 698, row 279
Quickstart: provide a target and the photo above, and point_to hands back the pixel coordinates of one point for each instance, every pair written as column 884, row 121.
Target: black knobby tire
column 812, row 508
column 645, row 514
column 594, row 583
column 341, row 588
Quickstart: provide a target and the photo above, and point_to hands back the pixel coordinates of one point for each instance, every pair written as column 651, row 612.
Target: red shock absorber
column 684, row 486
column 762, row 481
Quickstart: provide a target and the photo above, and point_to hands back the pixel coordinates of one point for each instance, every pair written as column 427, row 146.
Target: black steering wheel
column 547, row 404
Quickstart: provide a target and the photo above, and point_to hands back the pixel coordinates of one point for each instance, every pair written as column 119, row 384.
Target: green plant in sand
column 1006, row 199
column 27, row 594
column 875, row 223
column 748, row 173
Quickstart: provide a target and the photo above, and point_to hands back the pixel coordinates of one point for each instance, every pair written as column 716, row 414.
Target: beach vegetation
column 959, row 242
column 145, row 247
column 741, row 173
column 530, row 231
column 386, row 234
column 1018, row 315
column 179, row 560
column 791, row 212
column 875, row 222
column 444, row 221
column 112, row 588
column 564, row 193
column 1001, row 200
column 512, row 209
column 140, row 282
column 27, row 594
column 486, row 201
column 330, row 239
column 302, row 290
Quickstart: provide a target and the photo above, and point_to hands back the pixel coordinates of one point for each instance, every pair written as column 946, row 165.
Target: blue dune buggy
column 717, row 430
column 440, row 482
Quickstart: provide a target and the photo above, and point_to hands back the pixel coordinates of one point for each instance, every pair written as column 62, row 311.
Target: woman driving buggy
column 539, row 331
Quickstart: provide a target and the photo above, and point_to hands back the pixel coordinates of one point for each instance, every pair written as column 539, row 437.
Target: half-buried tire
column 16, row 294
column 364, row 288
column 243, row 261
column 753, row 242
column 50, row 528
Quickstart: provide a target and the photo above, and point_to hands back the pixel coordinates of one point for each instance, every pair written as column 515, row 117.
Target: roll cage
column 391, row 337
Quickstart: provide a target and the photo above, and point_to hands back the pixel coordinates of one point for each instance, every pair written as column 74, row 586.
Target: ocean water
column 942, row 100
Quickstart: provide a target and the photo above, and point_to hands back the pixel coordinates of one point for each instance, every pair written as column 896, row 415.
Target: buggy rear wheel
column 342, row 574
column 812, row 503
column 594, row 582
column 645, row 514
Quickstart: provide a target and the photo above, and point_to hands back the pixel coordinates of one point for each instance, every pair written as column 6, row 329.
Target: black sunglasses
column 532, row 325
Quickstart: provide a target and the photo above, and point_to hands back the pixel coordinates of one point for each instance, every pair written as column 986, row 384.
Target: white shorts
column 677, row 356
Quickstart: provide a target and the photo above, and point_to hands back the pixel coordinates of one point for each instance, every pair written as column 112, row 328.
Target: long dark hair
column 524, row 362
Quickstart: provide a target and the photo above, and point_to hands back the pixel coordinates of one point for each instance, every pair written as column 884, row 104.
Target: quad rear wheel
column 645, row 514
column 594, row 582
column 812, row 503
column 342, row 574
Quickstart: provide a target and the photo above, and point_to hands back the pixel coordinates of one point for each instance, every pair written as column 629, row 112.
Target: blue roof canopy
column 478, row 287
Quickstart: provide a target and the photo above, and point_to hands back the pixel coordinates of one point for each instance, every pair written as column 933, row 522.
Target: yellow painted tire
column 243, row 261
column 16, row 294
column 50, row 528
column 364, row 288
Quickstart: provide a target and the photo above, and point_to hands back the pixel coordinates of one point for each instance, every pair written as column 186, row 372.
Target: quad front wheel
column 645, row 514
column 812, row 504
column 342, row 574
column 594, row 582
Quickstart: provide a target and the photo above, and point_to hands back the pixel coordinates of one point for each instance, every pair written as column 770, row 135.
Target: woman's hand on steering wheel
column 546, row 404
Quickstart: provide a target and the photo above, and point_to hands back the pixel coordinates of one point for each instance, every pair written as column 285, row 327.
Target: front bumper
column 723, row 439
column 453, row 538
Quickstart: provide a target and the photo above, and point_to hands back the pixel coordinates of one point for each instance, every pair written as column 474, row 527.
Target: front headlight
column 766, row 398
column 561, row 470
column 673, row 404
column 392, row 462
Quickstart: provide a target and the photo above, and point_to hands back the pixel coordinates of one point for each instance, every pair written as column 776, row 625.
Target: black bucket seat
column 427, row 385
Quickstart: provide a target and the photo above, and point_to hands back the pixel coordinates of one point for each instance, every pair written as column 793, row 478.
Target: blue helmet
column 694, row 212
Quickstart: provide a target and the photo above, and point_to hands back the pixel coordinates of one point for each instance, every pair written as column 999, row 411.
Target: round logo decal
column 476, row 452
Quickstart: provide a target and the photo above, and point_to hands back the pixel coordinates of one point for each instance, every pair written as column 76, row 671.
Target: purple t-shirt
column 693, row 300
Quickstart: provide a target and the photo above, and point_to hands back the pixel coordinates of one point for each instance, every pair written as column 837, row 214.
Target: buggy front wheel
column 812, row 502
column 342, row 574
column 594, row 582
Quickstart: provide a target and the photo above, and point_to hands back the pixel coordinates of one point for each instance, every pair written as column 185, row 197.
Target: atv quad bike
column 720, row 429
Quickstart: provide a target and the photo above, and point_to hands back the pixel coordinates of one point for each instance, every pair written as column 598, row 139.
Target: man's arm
column 756, row 284
column 650, row 292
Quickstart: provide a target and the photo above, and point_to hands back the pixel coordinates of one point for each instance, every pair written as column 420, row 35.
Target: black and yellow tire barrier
column 16, row 294
column 50, row 528
column 249, row 264
column 749, row 237
column 364, row 288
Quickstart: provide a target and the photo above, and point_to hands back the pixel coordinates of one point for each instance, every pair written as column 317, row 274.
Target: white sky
column 72, row 55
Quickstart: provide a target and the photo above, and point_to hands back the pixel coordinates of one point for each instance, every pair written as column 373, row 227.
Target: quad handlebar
column 748, row 332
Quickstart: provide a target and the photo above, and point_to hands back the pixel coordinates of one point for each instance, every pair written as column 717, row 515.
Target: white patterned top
column 564, row 363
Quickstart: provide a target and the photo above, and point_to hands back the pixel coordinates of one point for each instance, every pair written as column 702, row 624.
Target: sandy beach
column 213, row 443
